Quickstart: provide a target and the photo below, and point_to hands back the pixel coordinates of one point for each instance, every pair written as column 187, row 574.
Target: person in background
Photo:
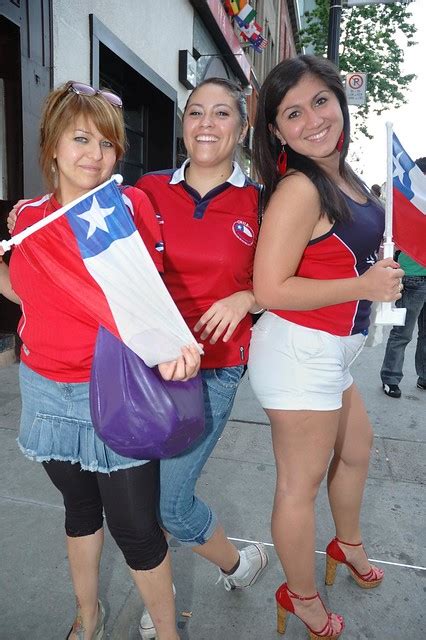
column 315, row 271
column 208, row 211
column 82, row 136
column 414, row 300
column 376, row 190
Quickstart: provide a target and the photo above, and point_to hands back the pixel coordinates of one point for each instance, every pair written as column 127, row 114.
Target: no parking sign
column 356, row 84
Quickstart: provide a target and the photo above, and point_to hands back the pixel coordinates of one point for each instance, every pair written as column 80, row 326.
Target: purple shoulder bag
column 137, row 413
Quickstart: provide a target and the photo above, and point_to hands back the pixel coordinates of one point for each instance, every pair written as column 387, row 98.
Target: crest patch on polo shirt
column 243, row 231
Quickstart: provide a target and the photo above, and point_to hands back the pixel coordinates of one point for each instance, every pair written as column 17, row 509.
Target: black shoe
column 392, row 390
column 421, row 385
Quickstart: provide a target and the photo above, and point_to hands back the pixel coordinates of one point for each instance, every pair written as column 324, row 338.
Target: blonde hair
column 61, row 107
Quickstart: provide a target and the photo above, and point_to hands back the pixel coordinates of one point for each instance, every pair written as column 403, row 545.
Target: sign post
column 356, row 85
column 334, row 17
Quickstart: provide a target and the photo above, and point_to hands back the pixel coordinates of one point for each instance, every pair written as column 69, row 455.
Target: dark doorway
column 11, row 170
column 149, row 117
column 25, row 80
column 149, row 103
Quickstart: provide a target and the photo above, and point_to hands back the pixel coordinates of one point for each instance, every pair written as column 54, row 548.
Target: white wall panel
column 154, row 30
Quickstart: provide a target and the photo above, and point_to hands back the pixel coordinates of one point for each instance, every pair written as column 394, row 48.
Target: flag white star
column 95, row 216
column 399, row 171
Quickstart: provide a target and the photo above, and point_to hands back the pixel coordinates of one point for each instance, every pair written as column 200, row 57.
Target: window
column 268, row 53
column 149, row 103
column 133, row 162
column 132, row 166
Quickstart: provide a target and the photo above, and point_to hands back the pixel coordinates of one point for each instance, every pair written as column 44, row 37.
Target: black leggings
column 129, row 498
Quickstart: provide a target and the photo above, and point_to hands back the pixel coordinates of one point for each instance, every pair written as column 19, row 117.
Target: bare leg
column 219, row 550
column 303, row 443
column 84, row 555
column 155, row 587
column 348, row 473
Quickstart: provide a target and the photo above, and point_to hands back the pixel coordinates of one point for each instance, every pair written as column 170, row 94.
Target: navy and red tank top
column 346, row 251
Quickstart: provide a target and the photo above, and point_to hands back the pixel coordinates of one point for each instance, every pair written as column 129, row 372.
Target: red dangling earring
column 282, row 161
column 340, row 142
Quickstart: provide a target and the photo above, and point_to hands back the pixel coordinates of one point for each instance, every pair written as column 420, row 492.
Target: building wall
column 154, row 30
column 204, row 44
column 287, row 43
column 267, row 16
column 273, row 17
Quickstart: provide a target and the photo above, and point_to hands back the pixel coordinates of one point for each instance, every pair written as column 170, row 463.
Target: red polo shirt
column 209, row 245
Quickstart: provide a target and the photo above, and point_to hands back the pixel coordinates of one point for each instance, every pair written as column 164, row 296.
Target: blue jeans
column 182, row 514
column 413, row 299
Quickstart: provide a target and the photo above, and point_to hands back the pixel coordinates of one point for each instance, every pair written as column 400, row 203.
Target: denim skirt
column 56, row 425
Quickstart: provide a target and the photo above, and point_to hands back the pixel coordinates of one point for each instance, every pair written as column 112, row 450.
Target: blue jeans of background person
column 182, row 514
column 413, row 299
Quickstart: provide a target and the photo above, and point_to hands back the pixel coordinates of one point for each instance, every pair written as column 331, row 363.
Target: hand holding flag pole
column 6, row 245
column 386, row 313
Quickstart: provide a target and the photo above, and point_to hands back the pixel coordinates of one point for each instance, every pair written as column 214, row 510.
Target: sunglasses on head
column 86, row 90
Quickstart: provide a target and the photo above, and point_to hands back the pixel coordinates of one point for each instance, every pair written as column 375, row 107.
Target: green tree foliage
column 371, row 41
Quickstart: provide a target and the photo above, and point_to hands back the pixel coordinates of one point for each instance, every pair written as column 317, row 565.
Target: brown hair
column 234, row 91
column 283, row 77
column 61, row 107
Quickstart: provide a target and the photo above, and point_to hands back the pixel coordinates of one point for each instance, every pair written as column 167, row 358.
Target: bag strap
column 260, row 204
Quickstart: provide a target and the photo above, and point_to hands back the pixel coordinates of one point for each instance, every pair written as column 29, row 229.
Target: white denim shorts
column 293, row 367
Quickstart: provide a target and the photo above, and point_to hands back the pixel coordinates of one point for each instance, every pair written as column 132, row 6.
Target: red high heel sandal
column 336, row 556
column 285, row 606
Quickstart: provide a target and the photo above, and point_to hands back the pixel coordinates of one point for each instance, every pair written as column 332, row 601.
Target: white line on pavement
column 393, row 564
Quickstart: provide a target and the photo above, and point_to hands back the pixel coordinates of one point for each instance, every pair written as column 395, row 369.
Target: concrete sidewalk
column 36, row 599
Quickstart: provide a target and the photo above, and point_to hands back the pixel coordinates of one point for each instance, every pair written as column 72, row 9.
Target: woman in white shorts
column 315, row 270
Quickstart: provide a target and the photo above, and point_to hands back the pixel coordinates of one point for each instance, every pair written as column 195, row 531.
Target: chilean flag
column 409, row 204
column 92, row 250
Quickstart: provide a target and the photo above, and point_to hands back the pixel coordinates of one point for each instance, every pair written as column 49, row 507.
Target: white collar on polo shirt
column 237, row 177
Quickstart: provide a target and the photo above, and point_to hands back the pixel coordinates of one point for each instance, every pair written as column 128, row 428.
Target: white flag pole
column 386, row 313
column 7, row 244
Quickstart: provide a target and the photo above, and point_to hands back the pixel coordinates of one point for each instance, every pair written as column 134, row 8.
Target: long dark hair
column 281, row 79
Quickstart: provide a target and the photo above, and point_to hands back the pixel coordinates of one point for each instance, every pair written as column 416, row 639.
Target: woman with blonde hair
column 82, row 137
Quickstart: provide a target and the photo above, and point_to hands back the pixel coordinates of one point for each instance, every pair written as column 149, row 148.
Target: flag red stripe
column 55, row 251
column 409, row 228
